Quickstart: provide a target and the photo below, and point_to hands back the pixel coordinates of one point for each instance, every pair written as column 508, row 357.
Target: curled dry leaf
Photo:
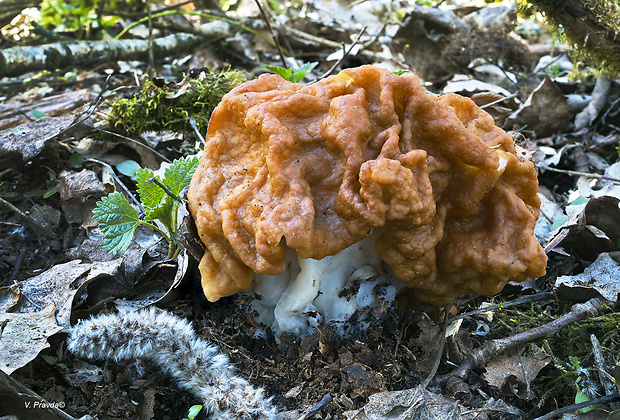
column 24, row 336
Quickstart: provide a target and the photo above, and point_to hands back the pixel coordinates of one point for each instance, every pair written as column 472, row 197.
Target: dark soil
column 297, row 372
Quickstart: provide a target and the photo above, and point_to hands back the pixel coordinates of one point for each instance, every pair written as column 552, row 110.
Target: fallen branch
column 494, row 348
column 19, row 60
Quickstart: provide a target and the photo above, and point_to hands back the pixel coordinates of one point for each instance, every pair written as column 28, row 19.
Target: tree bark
column 58, row 55
column 592, row 25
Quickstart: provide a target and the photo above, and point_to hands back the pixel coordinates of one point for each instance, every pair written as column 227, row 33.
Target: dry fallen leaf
column 416, row 403
column 545, row 112
column 595, row 228
column 24, row 336
column 601, row 278
column 59, row 285
column 430, row 335
column 513, row 372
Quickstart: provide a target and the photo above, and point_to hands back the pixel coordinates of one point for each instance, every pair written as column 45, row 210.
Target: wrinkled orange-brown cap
column 317, row 168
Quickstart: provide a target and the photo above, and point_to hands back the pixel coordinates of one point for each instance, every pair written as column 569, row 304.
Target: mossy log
column 58, row 55
column 592, row 25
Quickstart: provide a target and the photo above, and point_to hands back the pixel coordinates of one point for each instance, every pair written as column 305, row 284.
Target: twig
column 166, row 190
column 577, row 173
column 520, row 301
column 192, row 122
column 150, row 26
column 29, row 220
column 563, row 233
column 505, row 98
column 493, row 348
column 18, row 264
column 273, row 35
column 318, row 406
column 345, row 53
column 197, row 30
column 93, row 105
column 120, row 183
column 575, row 407
column 328, row 43
column 146, row 146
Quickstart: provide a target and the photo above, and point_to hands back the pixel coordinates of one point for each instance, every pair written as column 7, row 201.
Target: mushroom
column 302, row 190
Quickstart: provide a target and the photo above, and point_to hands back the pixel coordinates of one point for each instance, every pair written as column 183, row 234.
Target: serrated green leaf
column 118, row 221
column 301, row 72
column 280, row 71
column 151, row 194
column 178, row 175
column 165, row 213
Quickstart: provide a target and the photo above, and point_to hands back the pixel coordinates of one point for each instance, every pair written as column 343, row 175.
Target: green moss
column 171, row 105
column 574, row 340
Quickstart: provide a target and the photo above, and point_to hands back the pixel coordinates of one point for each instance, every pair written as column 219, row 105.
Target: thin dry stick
column 344, row 54
column 29, row 220
column 192, row 122
column 146, row 146
column 288, row 30
column 273, row 35
column 151, row 54
column 520, row 301
column 575, row 407
column 119, row 182
column 577, row 173
column 166, row 190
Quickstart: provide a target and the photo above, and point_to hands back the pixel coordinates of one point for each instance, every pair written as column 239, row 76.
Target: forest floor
column 539, row 346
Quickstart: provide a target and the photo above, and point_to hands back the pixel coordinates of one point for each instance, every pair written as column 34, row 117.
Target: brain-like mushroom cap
column 317, row 168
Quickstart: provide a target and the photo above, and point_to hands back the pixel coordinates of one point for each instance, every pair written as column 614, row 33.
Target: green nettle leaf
column 118, row 221
column 301, row 72
column 165, row 213
column 151, row 194
column 178, row 175
column 293, row 75
column 280, row 71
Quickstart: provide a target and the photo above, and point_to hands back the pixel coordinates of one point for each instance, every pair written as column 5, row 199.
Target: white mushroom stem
column 332, row 289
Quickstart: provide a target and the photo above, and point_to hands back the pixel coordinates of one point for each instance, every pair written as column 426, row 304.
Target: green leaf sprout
column 193, row 412
column 292, row 75
column 159, row 197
